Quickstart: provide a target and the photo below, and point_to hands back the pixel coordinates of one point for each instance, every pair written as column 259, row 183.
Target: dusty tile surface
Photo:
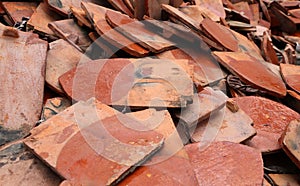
column 132, row 82
column 22, row 71
column 240, row 63
column 110, row 145
column 231, row 126
column 270, row 120
column 226, row 162
column 291, row 75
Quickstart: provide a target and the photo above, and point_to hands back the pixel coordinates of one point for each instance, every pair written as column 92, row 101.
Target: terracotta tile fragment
column 244, row 8
column 198, row 13
column 291, row 141
column 175, row 170
column 19, row 166
column 224, row 125
column 119, row 40
column 110, row 144
column 195, row 12
column 68, row 30
column 270, row 120
column 137, row 32
column 286, row 23
column 40, row 19
column 268, row 50
column 206, row 69
column 81, row 17
column 61, row 58
column 215, row 7
column 131, row 82
column 182, row 17
column 17, row 10
column 161, row 122
column 119, row 5
column 226, row 162
column 22, row 72
column 286, row 179
column 54, row 106
column 217, row 32
column 239, row 64
column 204, row 104
column 291, row 75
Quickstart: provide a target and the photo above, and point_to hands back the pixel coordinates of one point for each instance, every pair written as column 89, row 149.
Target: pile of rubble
column 164, row 92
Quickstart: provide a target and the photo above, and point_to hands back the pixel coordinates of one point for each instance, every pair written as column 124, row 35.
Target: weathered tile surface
column 291, row 75
column 228, row 126
column 291, row 141
column 68, row 30
column 215, row 7
column 217, row 32
column 204, row 104
column 97, row 16
column 182, row 17
column 137, row 32
column 61, row 58
column 98, row 145
column 206, row 68
column 119, row 5
column 40, row 19
column 175, row 170
column 17, row 10
column 19, row 167
column 239, row 64
column 226, row 162
column 22, row 72
column 134, row 82
column 270, row 120
column 162, row 123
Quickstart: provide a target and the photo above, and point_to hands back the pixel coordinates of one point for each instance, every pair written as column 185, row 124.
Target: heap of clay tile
column 144, row 92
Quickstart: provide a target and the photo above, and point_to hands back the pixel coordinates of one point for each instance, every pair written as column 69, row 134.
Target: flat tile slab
column 270, row 120
column 217, row 32
column 175, row 170
column 204, row 104
column 199, row 13
column 20, row 167
column 61, row 57
column 226, row 163
column 161, row 122
column 17, row 10
column 215, row 7
column 240, row 64
column 136, row 31
column 22, row 72
column 133, row 82
column 68, row 30
column 291, row 141
column 111, row 146
column 206, row 68
column 182, row 17
column 225, row 125
column 291, row 75
column 97, row 15
column 40, row 19
column 54, row 106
